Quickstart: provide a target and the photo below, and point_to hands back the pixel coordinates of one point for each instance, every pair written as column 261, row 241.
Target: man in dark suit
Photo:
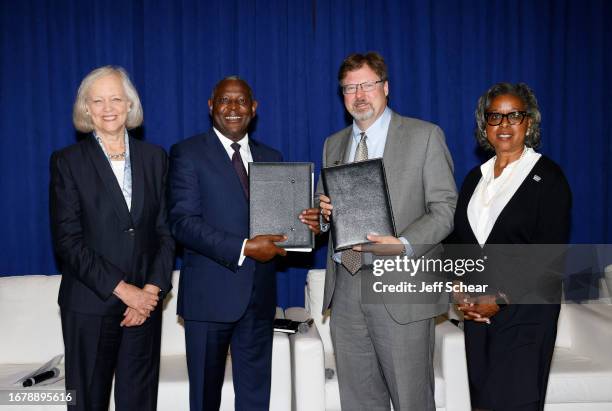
column 227, row 289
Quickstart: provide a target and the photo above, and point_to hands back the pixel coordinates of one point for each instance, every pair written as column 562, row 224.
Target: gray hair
column 520, row 90
column 233, row 77
column 82, row 121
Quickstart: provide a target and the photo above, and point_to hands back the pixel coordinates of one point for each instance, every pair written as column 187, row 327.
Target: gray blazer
column 423, row 196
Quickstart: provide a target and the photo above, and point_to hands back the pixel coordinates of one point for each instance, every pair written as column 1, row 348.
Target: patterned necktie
column 240, row 170
column 351, row 260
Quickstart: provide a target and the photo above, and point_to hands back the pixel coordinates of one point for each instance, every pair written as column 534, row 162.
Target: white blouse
column 118, row 167
column 492, row 194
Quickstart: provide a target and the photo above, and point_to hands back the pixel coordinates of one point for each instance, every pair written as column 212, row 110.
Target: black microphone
column 43, row 376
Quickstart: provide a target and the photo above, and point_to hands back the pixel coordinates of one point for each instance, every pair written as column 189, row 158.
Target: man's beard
column 362, row 115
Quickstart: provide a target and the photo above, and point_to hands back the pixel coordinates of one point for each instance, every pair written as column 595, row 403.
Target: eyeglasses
column 365, row 87
column 514, row 118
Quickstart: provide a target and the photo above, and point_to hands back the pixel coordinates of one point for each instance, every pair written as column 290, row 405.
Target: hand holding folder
column 279, row 193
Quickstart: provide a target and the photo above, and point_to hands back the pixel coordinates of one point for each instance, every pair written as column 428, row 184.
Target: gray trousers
column 379, row 360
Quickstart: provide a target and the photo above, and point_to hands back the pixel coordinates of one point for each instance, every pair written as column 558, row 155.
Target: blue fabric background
column 441, row 55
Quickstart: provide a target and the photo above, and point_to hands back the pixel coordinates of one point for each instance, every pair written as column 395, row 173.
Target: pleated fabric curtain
column 441, row 55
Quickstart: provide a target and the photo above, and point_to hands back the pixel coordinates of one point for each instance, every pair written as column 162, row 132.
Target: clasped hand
column 479, row 309
column 140, row 302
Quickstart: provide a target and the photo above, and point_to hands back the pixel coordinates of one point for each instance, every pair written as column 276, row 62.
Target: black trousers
column 509, row 360
column 97, row 348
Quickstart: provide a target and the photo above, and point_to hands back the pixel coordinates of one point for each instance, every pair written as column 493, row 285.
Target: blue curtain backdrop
column 441, row 55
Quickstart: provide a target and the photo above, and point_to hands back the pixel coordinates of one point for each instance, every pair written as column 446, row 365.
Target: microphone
column 304, row 326
column 43, row 376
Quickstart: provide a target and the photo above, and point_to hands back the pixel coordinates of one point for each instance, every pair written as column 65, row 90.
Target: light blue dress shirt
column 377, row 138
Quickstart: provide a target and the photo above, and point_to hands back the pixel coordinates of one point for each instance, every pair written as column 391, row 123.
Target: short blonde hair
column 82, row 121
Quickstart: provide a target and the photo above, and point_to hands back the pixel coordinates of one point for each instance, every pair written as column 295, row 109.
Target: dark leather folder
column 278, row 194
column 359, row 194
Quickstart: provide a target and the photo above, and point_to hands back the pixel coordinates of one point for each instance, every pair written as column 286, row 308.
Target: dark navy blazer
column 209, row 215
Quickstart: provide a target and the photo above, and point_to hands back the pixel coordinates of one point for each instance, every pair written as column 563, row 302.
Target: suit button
column 130, row 231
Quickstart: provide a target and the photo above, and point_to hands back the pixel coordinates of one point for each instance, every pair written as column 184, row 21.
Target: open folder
column 278, row 192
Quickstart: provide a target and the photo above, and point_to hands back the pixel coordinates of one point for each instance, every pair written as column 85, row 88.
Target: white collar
column 227, row 143
column 487, row 168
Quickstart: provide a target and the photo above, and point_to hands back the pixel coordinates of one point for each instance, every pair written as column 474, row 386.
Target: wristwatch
column 324, row 225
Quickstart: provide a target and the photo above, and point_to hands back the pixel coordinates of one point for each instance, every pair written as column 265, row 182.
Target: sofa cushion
column 29, row 309
column 577, row 378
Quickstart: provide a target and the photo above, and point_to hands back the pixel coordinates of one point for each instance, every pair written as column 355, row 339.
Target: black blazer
column 508, row 361
column 97, row 240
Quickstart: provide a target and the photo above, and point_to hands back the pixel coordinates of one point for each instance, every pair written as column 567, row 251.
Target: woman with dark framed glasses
column 517, row 197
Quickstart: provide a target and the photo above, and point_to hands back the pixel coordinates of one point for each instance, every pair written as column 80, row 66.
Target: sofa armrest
column 449, row 354
column 308, row 365
column 590, row 326
column 280, row 391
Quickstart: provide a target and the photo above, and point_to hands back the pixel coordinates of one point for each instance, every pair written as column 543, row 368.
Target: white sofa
column 32, row 335
column 312, row 353
column 580, row 378
column 581, row 371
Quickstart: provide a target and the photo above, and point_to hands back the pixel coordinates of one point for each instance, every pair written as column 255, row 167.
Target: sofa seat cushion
column 575, row 378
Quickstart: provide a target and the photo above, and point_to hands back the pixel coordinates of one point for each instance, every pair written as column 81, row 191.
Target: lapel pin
column 537, row 178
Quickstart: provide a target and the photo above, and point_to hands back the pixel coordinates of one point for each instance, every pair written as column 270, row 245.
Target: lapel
column 100, row 162
column 499, row 236
column 256, row 151
column 394, row 146
column 340, row 154
column 470, row 187
column 138, row 180
column 394, row 156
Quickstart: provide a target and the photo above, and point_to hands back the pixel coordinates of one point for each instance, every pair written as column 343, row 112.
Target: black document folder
column 359, row 194
column 278, row 194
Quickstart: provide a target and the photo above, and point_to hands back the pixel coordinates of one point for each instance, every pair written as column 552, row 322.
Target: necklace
column 119, row 156
column 487, row 202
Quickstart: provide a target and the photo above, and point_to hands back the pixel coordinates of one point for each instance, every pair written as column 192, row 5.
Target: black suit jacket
column 97, row 239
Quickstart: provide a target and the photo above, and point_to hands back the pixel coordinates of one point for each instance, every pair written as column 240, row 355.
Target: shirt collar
column 227, row 143
column 378, row 129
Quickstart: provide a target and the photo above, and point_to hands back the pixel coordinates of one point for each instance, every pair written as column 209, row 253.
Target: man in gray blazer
column 384, row 351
